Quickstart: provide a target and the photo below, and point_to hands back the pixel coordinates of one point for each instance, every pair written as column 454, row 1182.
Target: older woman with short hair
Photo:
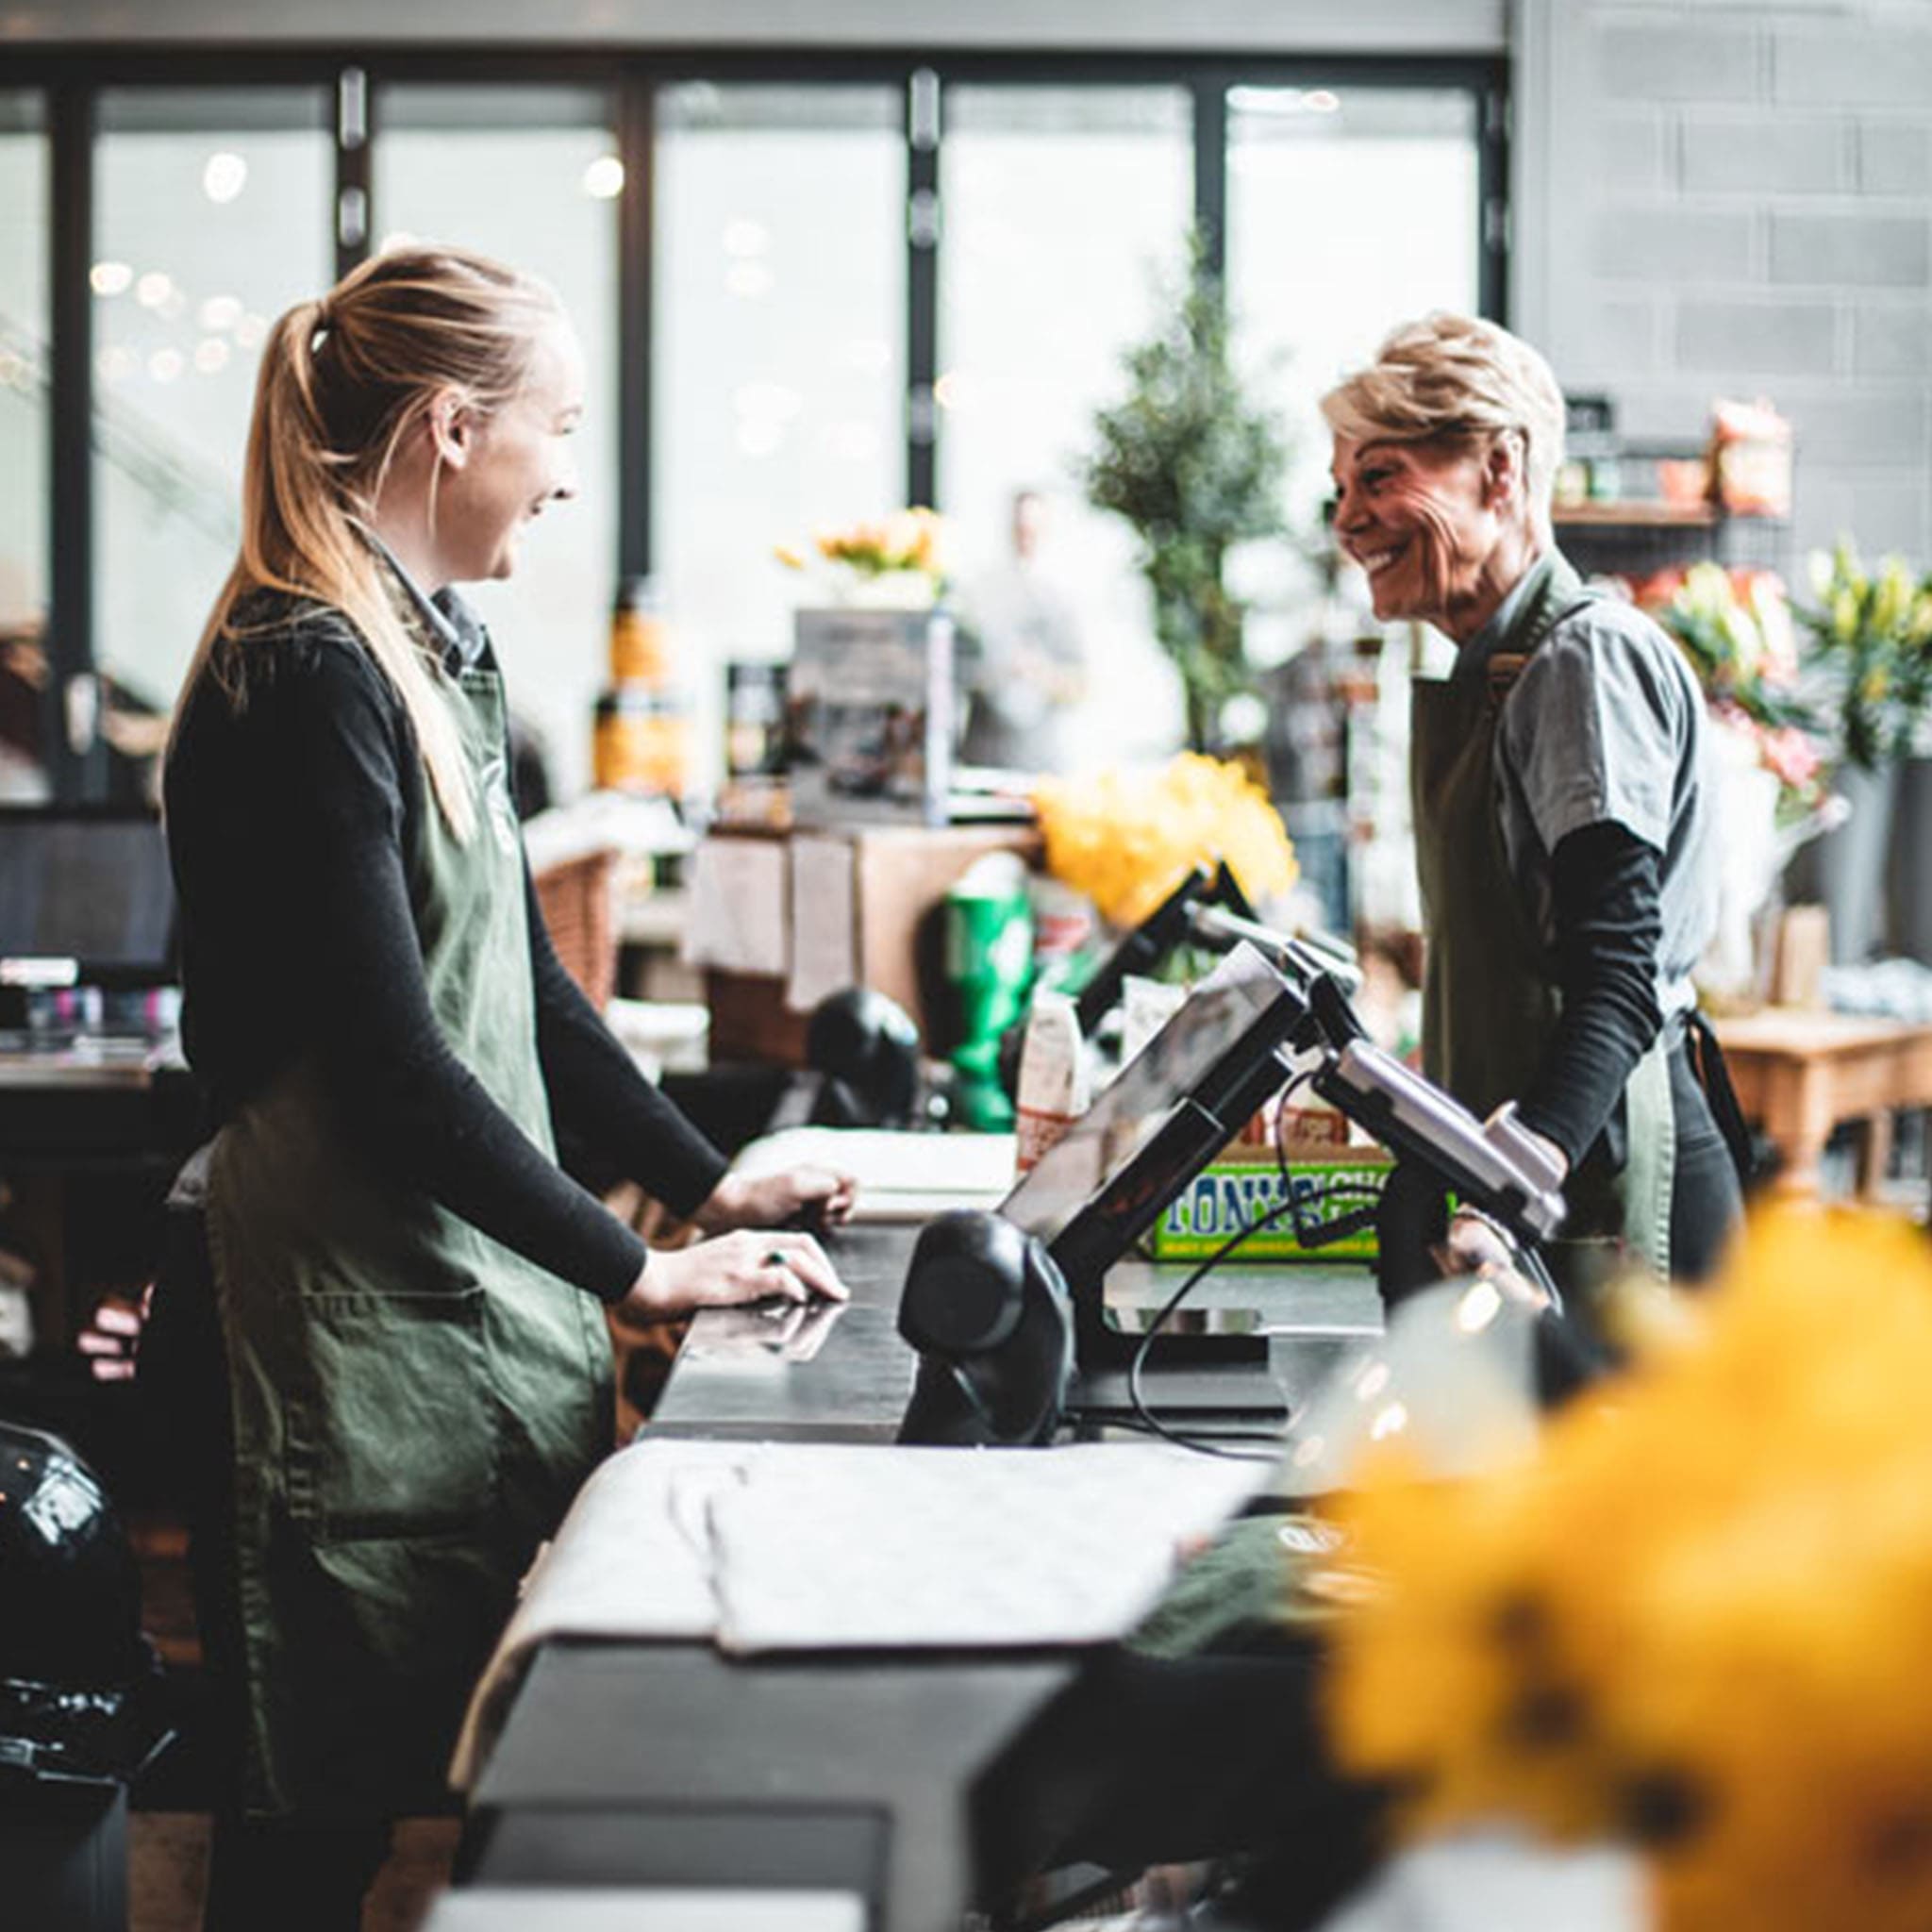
column 1563, row 804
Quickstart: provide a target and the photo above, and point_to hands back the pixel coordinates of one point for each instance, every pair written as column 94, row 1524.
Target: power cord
column 1144, row 1417
column 1292, row 1207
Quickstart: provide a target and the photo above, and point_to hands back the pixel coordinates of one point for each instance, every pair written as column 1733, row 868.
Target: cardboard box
column 862, row 908
column 1242, row 1185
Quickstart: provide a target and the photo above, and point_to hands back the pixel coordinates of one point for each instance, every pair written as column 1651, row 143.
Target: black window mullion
column 355, row 215
column 923, row 133
column 1211, row 174
column 636, row 113
column 1492, row 199
column 75, row 752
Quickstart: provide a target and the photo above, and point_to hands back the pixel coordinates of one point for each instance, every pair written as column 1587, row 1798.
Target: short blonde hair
column 1456, row 375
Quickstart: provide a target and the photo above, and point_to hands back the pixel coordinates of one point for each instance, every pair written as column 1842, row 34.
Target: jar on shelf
column 640, row 742
column 639, row 652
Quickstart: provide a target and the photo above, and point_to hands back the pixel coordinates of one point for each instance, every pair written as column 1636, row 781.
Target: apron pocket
column 395, row 1431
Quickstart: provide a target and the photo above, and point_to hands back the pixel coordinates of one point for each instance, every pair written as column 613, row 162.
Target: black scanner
column 988, row 1311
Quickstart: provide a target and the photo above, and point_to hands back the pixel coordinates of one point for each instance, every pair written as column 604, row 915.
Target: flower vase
column 1910, row 871
column 887, row 590
column 1730, row 972
column 1845, row 870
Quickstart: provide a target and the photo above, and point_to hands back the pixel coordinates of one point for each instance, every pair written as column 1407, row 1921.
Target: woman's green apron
column 1489, row 998
column 413, row 1403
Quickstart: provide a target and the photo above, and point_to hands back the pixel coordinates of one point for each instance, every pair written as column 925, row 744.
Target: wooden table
column 1799, row 1074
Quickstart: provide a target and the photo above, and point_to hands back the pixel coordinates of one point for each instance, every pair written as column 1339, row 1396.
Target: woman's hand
column 1476, row 1242
column 800, row 1196
column 733, row 1267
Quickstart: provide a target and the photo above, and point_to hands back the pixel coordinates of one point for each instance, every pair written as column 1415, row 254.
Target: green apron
column 414, row 1405
column 1489, row 1000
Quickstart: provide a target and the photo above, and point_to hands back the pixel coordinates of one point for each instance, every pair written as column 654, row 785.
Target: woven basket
column 575, row 898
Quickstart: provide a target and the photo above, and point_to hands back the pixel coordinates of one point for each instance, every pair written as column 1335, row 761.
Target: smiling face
column 500, row 470
column 1438, row 525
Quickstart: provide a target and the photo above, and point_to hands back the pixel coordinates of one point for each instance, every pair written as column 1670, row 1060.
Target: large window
column 826, row 277
column 530, row 174
column 23, row 376
column 1064, row 210
column 211, row 217
column 779, row 372
column 1350, row 210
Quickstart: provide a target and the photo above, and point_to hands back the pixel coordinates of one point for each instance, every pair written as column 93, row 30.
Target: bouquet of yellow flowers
column 1125, row 840
column 906, row 541
column 1698, row 1621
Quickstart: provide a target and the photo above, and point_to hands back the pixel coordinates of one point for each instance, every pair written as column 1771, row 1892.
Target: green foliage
column 1195, row 468
column 1874, row 630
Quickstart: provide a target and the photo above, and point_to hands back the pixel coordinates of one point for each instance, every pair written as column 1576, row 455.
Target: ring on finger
column 776, row 1258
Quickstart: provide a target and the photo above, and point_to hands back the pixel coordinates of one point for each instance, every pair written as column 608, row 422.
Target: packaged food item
column 1750, row 459
column 1309, row 1124
column 641, row 743
column 639, row 654
column 1146, row 1007
column 754, row 719
column 1243, row 1184
column 1054, row 1089
column 640, row 737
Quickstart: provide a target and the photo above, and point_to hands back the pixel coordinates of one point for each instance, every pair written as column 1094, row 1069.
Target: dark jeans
column 1705, row 1200
column 290, row 1874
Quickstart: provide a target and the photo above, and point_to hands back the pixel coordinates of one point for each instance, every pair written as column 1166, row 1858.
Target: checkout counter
column 906, row 1785
column 897, row 1789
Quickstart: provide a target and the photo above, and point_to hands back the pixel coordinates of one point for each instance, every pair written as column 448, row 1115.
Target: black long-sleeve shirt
column 1608, row 918
column 289, row 823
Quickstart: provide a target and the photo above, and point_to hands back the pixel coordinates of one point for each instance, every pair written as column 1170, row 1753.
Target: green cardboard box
column 1243, row 1184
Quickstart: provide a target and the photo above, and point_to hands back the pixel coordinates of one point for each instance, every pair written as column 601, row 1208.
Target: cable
column 1291, row 1207
column 1145, row 1416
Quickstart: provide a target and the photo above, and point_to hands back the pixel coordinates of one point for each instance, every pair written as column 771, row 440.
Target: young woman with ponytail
column 405, row 1323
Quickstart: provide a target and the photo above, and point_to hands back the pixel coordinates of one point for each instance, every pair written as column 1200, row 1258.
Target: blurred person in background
column 1023, row 664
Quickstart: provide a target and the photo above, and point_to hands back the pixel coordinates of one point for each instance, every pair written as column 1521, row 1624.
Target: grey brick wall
column 1735, row 197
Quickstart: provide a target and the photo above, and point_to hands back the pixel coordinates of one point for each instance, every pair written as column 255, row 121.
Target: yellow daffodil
column 1126, row 839
column 1697, row 1621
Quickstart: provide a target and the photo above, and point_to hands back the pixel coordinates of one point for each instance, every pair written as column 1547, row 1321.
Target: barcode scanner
column 988, row 1311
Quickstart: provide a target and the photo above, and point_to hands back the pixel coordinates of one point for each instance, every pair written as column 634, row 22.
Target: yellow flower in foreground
column 1126, row 839
column 1699, row 1619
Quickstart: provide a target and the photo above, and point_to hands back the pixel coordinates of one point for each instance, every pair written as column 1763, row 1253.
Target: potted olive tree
column 1195, row 467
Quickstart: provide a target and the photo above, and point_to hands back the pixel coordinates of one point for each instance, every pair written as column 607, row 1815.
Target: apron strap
column 1504, row 667
column 1714, row 1077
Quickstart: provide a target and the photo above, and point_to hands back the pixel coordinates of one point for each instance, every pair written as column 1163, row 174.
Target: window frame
column 70, row 80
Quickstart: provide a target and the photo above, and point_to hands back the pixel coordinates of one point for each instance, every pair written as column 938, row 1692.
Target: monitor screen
column 1101, row 1145
column 90, row 887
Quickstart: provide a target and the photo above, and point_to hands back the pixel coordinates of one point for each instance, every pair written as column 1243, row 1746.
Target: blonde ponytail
column 341, row 382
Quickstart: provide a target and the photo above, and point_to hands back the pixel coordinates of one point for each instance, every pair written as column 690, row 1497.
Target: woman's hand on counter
column 799, row 1196
column 729, row 1269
